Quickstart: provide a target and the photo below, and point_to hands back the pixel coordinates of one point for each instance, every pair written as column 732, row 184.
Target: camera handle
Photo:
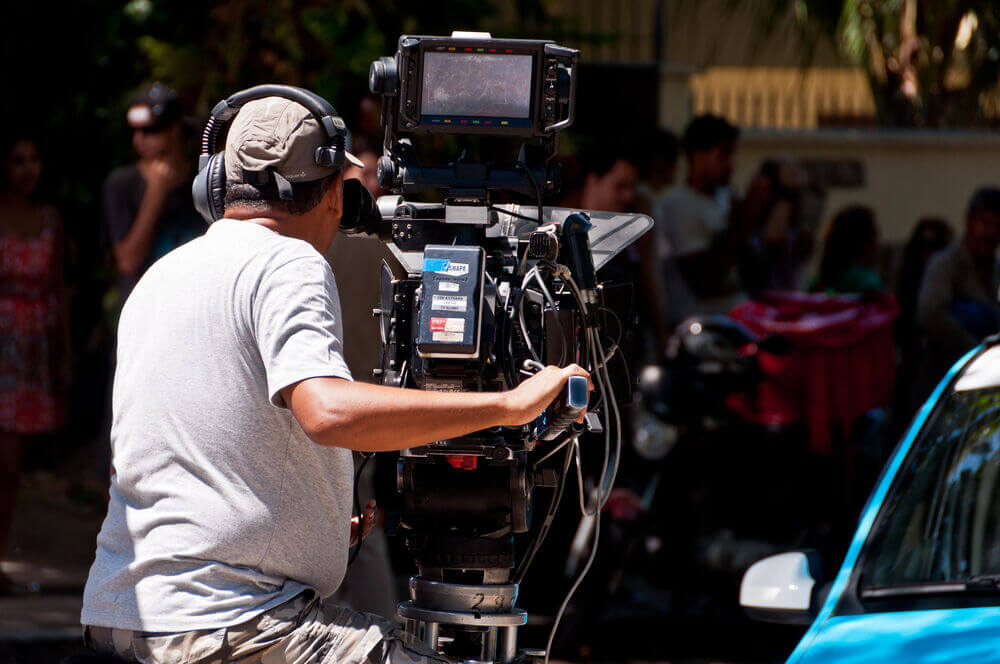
column 561, row 415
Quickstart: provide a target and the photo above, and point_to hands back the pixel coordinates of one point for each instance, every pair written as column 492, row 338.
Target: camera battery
column 451, row 302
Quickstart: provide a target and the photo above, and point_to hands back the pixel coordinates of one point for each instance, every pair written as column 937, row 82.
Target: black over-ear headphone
column 360, row 213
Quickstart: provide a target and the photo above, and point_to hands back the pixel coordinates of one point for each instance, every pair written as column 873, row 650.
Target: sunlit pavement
column 49, row 553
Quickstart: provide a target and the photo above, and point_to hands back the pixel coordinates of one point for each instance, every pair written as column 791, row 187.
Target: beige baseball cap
column 277, row 133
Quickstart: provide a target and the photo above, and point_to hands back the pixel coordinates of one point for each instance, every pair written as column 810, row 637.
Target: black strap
column 284, row 186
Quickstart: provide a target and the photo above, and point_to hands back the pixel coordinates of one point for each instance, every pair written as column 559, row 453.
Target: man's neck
column 294, row 226
column 701, row 186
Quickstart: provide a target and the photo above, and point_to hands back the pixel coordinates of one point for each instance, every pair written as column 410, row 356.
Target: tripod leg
column 490, row 645
column 431, row 631
column 508, row 644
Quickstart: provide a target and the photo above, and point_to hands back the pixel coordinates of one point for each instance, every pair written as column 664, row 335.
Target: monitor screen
column 476, row 85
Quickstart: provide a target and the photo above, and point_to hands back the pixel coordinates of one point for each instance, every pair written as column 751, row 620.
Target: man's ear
column 334, row 198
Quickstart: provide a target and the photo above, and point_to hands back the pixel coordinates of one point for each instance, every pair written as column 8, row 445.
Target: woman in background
column 34, row 341
column 849, row 254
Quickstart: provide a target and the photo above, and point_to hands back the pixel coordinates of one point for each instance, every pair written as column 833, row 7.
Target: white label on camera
column 447, row 324
column 455, row 269
column 448, row 286
column 448, row 337
column 449, row 302
column 443, row 385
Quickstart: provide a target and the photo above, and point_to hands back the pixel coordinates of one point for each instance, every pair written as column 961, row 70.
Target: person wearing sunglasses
column 146, row 207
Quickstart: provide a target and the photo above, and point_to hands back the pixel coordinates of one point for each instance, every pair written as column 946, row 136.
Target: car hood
column 948, row 635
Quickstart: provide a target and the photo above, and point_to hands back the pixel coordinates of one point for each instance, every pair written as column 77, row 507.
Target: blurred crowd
column 715, row 248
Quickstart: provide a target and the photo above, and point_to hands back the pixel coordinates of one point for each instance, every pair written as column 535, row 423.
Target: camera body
column 483, row 294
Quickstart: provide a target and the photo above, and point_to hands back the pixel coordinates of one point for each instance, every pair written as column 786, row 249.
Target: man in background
column 146, row 207
column 957, row 304
column 610, row 179
column 705, row 228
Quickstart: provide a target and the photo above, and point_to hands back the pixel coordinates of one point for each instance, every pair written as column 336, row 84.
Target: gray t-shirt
column 690, row 222
column 221, row 507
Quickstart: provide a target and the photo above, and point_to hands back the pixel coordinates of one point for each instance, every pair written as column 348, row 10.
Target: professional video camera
column 490, row 286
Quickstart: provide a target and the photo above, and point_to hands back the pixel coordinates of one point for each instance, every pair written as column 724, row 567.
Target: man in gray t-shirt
column 234, row 420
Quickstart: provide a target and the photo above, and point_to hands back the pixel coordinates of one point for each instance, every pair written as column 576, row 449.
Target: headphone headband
column 223, row 113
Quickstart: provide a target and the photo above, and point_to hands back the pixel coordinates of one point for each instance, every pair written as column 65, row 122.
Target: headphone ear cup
column 209, row 188
column 217, row 184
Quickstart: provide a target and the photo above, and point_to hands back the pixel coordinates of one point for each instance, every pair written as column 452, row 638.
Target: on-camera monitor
column 476, row 88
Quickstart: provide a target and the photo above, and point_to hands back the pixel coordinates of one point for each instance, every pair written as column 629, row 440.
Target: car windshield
column 940, row 523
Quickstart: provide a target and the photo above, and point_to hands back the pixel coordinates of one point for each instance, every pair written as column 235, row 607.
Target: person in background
column 784, row 241
column 931, row 235
column 34, row 325
column 657, row 171
column 610, row 180
column 957, row 303
column 850, row 251
column 705, row 226
column 146, row 207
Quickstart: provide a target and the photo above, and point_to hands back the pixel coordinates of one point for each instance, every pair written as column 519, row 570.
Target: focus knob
column 382, row 77
column 386, row 172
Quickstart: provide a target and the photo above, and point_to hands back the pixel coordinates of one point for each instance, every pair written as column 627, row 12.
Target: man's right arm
column 132, row 250
column 377, row 418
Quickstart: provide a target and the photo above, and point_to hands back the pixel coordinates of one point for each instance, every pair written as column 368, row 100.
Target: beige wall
column 908, row 174
column 781, row 97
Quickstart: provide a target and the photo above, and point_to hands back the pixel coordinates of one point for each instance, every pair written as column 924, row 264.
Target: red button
column 462, row 462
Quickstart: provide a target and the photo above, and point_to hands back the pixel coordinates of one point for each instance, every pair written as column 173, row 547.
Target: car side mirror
column 784, row 588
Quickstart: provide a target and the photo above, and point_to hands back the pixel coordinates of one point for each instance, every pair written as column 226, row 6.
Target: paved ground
column 51, row 545
column 51, row 548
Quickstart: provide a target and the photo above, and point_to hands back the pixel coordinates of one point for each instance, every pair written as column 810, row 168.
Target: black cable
column 357, row 506
column 510, row 336
column 550, row 513
column 538, row 190
column 516, row 215
column 576, row 584
column 621, row 329
column 552, row 306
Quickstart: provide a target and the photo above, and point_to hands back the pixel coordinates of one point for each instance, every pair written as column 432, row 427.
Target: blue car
column 921, row 580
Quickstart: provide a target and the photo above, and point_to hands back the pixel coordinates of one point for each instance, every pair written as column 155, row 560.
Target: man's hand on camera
column 527, row 401
column 379, row 418
column 367, row 522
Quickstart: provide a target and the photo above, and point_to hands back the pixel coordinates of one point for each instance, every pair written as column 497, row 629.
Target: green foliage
column 925, row 68
column 107, row 49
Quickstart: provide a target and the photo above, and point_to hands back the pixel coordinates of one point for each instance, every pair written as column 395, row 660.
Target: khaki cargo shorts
column 299, row 631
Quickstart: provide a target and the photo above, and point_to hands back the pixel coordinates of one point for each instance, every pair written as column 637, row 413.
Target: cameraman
column 234, row 420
